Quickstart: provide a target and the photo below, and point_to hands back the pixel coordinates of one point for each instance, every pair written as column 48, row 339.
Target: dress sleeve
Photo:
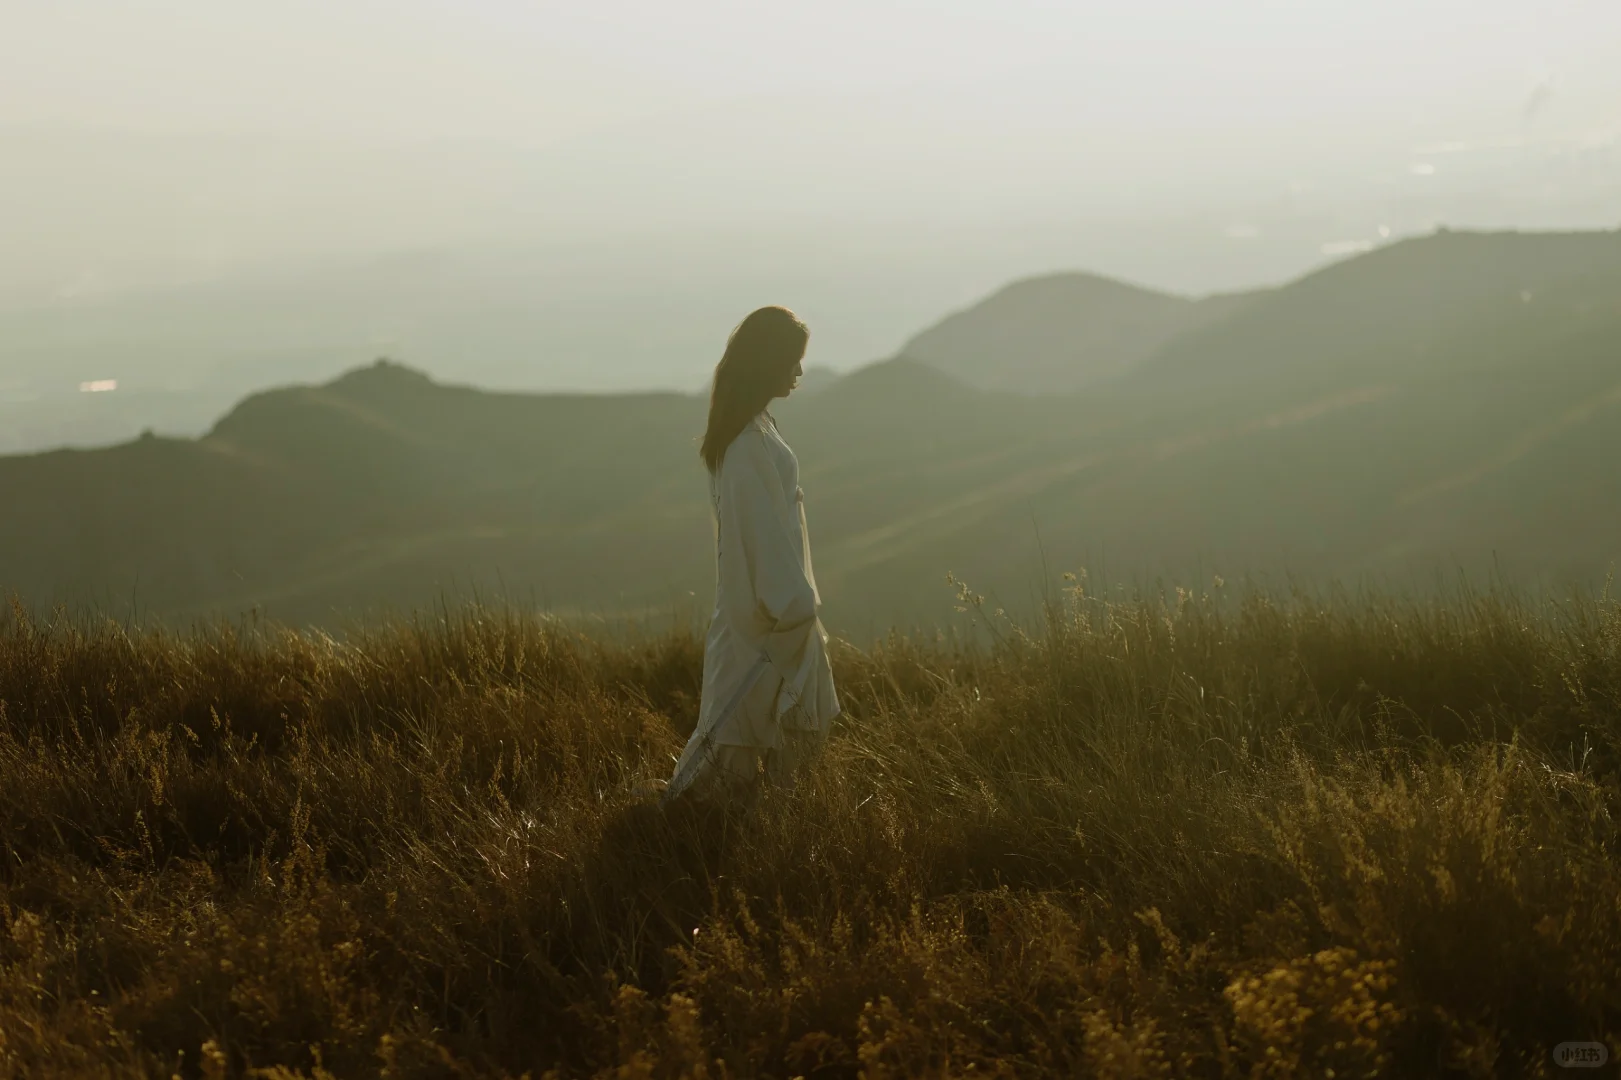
column 771, row 592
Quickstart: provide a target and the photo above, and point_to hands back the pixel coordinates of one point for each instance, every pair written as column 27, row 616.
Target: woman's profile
column 768, row 694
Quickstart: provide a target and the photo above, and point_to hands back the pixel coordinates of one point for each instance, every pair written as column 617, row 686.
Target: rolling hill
column 1061, row 332
column 1451, row 402
column 1445, row 305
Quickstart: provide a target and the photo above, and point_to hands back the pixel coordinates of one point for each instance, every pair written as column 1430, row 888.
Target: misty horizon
column 201, row 203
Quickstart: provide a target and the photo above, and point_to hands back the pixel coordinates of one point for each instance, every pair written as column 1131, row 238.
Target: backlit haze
column 199, row 199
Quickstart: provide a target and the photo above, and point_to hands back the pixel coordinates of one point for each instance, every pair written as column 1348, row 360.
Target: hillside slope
column 1448, row 403
column 1061, row 332
column 1431, row 305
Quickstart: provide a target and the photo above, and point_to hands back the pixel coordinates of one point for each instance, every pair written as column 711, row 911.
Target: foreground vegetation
column 1292, row 837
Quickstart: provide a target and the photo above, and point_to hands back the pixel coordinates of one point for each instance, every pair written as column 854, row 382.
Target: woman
column 768, row 691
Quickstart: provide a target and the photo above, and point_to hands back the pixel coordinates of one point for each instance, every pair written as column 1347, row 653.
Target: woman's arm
column 770, row 591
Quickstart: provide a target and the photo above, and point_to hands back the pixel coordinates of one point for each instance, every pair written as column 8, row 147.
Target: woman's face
column 790, row 377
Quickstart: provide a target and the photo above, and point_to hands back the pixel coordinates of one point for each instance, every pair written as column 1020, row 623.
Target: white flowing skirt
column 750, row 714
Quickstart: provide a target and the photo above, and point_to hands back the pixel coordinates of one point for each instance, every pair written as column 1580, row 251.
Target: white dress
column 766, row 674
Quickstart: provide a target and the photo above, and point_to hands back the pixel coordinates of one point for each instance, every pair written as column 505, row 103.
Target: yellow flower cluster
column 1327, row 1010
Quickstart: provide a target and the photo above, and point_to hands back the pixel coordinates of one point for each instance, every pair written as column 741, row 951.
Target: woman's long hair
column 759, row 354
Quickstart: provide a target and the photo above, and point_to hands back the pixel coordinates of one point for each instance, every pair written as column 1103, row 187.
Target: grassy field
column 1229, row 836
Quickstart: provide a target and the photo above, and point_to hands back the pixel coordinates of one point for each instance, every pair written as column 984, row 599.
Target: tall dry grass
column 1153, row 838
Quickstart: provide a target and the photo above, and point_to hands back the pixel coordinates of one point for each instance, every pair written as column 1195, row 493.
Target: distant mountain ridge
column 1061, row 332
column 1406, row 413
column 1405, row 305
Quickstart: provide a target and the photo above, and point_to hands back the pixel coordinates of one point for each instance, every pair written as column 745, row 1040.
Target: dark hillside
column 392, row 427
column 379, row 488
column 1395, row 416
column 1512, row 464
column 156, row 522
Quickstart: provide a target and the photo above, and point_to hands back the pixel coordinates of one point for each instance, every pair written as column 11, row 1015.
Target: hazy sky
column 500, row 115
column 1190, row 144
column 531, row 73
